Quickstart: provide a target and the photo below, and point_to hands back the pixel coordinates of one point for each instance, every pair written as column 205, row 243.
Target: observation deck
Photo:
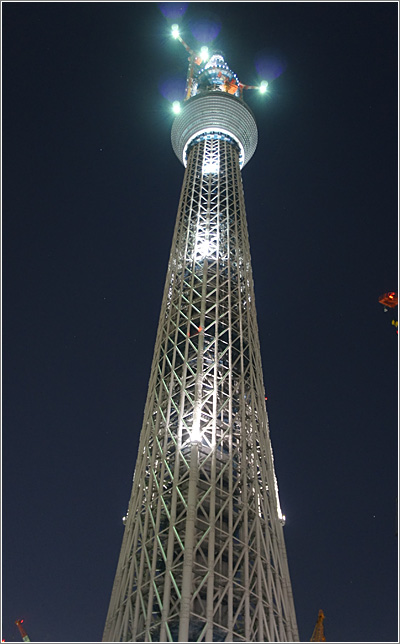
column 214, row 107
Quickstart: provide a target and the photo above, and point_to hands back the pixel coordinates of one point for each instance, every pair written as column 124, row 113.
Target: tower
column 203, row 555
column 22, row 631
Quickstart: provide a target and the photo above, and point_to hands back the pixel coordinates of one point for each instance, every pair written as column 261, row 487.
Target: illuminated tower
column 203, row 555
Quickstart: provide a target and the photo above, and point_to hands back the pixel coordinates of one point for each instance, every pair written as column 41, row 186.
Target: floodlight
column 204, row 54
column 263, row 87
column 175, row 31
column 176, row 107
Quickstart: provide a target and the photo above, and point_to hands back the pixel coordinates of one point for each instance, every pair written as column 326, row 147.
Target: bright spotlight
column 210, row 167
column 175, row 31
column 204, row 54
column 263, row 87
column 196, row 436
column 176, row 107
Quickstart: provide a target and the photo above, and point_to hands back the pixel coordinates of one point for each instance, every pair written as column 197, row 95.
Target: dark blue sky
column 90, row 193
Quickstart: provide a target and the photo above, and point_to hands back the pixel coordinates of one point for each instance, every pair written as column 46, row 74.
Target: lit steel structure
column 203, row 556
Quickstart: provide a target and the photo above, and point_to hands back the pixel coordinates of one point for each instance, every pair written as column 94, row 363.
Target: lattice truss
column 203, row 555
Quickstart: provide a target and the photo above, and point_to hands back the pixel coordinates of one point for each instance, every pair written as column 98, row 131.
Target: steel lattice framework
column 203, row 555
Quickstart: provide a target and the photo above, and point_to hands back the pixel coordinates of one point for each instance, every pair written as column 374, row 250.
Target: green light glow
column 204, row 54
column 175, row 31
column 263, row 87
column 176, row 107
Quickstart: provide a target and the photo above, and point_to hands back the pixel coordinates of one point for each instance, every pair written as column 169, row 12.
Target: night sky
column 90, row 194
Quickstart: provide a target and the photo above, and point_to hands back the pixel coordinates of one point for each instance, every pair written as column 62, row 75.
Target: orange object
column 318, row 634
column 199, row 329
column 232, row 87
column 389, row 299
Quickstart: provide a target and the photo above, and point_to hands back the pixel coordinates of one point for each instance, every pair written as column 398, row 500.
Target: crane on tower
column 24, row 635
column 318, row 634
column 228, row 82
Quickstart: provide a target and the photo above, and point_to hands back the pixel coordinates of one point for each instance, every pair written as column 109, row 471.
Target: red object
column 22, row 631
column 199, row 329
column 389, row 299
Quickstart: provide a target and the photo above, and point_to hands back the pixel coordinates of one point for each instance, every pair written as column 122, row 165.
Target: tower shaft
column 203, row 555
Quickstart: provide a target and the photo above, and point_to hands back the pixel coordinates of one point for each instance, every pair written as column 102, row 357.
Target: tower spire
column 318, row 633
column 203, row 555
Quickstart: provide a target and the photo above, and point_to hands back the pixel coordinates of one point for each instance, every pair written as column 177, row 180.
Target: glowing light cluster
column 196, row 435
column 210, row 167
column 204, row 54
column 203, row 249
column 175, row 31
column 217, row 61
column 176, row 107
column 263, row 86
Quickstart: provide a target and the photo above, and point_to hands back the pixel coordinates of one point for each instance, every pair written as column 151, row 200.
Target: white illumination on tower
column 210, row 167
column 203, row 556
